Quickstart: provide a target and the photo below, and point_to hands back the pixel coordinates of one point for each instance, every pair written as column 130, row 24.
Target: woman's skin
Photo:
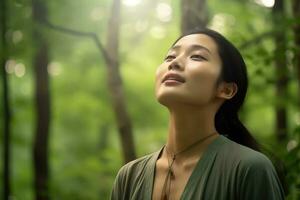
column 187, row 84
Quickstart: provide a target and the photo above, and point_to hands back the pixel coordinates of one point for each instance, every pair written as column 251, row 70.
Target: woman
column 209, row 154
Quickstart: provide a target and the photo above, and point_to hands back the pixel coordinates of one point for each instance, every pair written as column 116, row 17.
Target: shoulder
column 132, row 174
column 244, row 162
column 140, row 163
column 255, row 174
column 245, row 156
column 136, row 165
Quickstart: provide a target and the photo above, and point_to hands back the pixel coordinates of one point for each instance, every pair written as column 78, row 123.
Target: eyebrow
column 192, row 47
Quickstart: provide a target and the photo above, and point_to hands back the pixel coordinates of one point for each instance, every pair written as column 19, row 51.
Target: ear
column 227, row 90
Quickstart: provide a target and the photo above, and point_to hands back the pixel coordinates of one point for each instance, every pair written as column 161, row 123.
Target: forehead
column 198, row 39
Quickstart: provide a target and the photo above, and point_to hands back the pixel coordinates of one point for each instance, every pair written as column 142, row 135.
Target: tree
column 110, row 54
column 115, row 83
column 281, row 71
column 6, row 105
column 194, row 14
column 296, row 29
column 40, row 148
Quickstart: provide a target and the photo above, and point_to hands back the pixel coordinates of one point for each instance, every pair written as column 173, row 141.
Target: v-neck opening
column 211, row 148
column 202, row 165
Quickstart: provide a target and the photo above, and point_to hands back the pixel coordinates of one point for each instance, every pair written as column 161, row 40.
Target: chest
column 171, row 187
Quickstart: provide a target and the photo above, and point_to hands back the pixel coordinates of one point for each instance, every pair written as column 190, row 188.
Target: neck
column 186, row 126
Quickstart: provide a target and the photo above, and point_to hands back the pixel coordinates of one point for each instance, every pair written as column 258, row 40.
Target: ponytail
column 228, row 124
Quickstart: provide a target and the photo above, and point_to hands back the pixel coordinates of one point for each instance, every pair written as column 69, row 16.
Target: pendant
column 172, row 174
column 165, row 197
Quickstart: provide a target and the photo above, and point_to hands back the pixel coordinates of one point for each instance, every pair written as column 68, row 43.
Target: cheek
column 204, row 74
column 204, row 82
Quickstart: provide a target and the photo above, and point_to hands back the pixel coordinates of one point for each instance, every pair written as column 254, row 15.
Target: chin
column 166, row 99
column 170, row 99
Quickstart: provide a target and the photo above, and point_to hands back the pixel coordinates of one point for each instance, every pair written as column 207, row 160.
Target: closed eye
column 198, row 57
column 169, row 58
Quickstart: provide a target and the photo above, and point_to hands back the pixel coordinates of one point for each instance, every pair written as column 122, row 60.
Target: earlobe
column 227, row 90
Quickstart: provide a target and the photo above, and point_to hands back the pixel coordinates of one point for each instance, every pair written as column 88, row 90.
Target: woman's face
column 189, row 72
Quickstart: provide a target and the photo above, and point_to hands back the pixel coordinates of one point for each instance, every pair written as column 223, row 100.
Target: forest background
column 77, row 86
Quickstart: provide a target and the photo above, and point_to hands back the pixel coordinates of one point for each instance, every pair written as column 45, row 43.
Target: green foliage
column 292, row 161
column 85, row 152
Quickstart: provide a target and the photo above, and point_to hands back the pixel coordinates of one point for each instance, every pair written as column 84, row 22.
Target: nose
column 175, row 65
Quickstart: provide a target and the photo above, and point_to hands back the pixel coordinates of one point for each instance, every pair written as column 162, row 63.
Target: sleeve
column 118, row 190
column 260, row 180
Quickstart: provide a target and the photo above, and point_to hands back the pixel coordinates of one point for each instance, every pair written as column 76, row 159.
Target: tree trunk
column 40, row 148
column 115, row 83
column 114, row 80
column 6, row 106
column 296, row 28
column 281, row 70
column 194, row 14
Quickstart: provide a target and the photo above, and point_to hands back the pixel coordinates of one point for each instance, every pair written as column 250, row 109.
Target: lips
column 173, row 77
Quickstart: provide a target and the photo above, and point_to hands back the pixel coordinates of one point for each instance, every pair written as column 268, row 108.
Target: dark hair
column 227, row 121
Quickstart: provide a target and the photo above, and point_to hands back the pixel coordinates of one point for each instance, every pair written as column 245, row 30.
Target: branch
column 256, row 40
column 91, row 35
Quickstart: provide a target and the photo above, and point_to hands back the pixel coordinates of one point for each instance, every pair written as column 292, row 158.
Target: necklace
column 170, row 174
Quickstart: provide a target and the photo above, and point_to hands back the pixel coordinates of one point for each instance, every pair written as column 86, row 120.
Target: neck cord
column 170, row 174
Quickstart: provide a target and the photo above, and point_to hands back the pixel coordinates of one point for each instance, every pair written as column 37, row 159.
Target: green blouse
column 226, row 170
